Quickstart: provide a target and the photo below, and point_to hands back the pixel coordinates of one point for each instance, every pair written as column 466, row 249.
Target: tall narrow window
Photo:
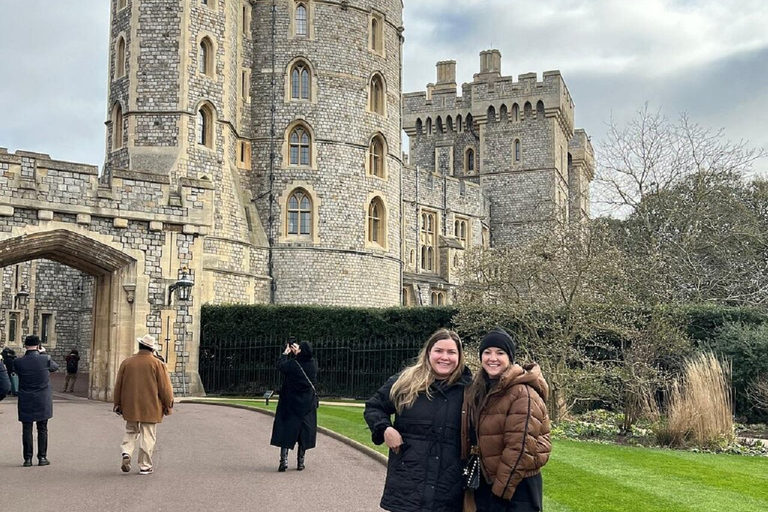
column 540, row 109
column 469, row 165
column 527, row 109
column 299, row 146
column 460, row 231
column 205, row 57
column 517, row 150
column 117, row 127
column 13, row 327
column 300, row 81
column 377, row 33
column 301, row 20
column 376, row 231
column 245, row 85
column 428, row 240
column 459, row 127
column 429, row 126
column 376, row 156
column 419, row 126
column 120, row 58
column 45, row 327
column 515, row 113
column 205, row 126
column 246, row 19
column 377, row 94
column 299, row 213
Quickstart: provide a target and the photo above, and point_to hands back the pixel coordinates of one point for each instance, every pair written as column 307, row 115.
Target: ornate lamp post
column 21, row 297
column 183, row 289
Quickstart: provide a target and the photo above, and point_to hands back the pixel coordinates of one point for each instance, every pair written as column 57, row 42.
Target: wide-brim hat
column 148, row 341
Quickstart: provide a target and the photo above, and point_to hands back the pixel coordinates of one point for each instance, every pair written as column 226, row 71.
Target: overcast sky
column 708, row 58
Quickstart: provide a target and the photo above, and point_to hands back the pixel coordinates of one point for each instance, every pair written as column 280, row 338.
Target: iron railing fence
column 348, row 368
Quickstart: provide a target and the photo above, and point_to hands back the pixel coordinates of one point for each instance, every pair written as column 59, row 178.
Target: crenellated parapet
column 35, row 181
column 488, row 92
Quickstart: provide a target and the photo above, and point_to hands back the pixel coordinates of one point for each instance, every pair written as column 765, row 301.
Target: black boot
column 283, row 460
column 300, row 458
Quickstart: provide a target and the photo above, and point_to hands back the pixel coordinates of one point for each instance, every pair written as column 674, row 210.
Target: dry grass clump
column 700, row 405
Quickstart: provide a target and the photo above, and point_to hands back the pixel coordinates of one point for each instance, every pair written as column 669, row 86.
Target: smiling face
column 495, row 362
column 444, row 358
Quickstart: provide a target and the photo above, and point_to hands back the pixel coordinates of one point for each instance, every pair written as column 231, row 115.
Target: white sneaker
column 126, row 465
column 147, row 471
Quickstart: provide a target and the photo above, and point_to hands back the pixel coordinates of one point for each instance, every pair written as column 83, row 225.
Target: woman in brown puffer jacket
column 505, row 416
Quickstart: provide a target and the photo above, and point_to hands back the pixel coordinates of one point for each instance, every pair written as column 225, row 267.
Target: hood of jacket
column 529, row 374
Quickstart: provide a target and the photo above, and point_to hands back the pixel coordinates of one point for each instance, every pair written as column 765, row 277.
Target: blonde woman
column 424, row 469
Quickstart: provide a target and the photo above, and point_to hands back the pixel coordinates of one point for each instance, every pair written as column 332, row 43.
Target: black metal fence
column 348, row 368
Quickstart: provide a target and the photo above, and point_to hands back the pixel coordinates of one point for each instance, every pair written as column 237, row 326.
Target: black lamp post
column 182, row 287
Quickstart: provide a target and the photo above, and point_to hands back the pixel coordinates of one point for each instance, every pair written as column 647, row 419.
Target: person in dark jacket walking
column 505, row 416
column 296, row 416
column 5, row 382
column 424, row 468
column 73, row 365
column 35, row 398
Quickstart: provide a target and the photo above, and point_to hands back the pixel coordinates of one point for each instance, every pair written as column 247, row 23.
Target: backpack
column 72, row 362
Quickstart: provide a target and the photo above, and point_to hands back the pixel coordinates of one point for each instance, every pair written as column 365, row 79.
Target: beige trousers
column 146, row 434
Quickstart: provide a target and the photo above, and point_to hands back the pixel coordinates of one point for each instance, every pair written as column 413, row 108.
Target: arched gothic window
column 120, row 58
column 205, row 126
column 376, row 227
column 376, row 155
column 377, row 94
column 300, row 81
column 517, row 150
column 469, row 164
column 540, row 109
column 205, row 57
column 515, row 113
column 301, row 20
column 300, row 146
column 117, row 127
column 299, row 213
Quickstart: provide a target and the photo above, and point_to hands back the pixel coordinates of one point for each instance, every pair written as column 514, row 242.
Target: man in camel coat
column 143, row 395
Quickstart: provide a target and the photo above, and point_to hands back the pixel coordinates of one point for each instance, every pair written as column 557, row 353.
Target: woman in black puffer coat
column 424, row 469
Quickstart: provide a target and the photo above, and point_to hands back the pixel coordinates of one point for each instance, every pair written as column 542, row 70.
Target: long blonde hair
column 418, row 377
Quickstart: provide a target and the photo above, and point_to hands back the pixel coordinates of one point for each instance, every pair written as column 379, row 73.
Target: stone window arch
column 515, row 113
column 503, row 114
column 376, row 33
column 205, row 60
column 300, row 146
column 377, row 157
column 299, row 213
column 459, row 128
column 461, row 231
column 470, row 122
column 540, row 109
column 299, row 218
column 302, row 20
column 117, row 126
column 376, row 223
column 449, row 123
column 527, row 110
column 205, row 126
column 517, row 151
column 429, row 126
column 440, row 127
column 491, row 114
column 428, row 240
column 419, row 126
column 469, row 161
column 120, row 57
column 301, row 81
column 377, row 95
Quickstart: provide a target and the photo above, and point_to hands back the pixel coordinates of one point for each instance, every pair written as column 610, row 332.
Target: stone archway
column 114, row 273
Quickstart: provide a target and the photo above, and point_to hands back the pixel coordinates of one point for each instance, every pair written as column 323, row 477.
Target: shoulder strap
column 305, row 376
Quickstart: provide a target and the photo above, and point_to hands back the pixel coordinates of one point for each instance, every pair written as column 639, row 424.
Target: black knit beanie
column 499, row 338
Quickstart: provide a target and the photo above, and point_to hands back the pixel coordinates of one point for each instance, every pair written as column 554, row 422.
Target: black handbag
column 316, row 398
column 471, row 473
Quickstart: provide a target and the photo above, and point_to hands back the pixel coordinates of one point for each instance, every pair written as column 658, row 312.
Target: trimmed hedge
column 322, row 322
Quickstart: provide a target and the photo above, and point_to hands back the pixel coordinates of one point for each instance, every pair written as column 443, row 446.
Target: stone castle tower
column 291, row 109
column 516, row 139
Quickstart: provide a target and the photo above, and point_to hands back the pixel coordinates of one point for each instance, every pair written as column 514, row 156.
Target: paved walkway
column 207, row 458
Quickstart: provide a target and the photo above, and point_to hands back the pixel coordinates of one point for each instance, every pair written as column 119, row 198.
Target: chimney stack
column 490, row 62
column 446, row 75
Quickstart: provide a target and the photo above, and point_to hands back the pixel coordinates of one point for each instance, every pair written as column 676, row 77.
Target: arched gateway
column 114, row 273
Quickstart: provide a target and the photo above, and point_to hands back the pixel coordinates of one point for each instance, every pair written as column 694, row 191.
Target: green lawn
column 590, row 477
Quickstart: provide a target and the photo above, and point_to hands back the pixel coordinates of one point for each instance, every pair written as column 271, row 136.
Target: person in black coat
column 296, row 417
column 9, row 355
column 5, row 382
column 35, row 398
column 425, row 467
